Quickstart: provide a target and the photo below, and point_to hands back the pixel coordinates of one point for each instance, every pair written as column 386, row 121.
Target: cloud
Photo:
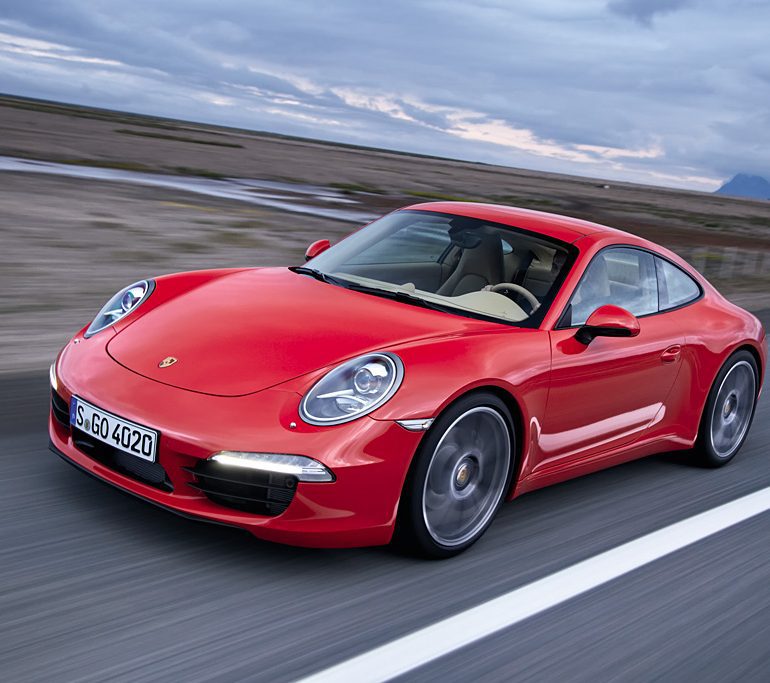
column 43, row 49
column 384, row 104
column 593, row 88
column 644, row 11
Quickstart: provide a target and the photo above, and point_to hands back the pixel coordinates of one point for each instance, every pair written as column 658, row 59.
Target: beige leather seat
column 477, row 268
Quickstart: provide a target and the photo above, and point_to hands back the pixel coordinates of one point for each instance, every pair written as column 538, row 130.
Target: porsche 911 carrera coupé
column 403, row 383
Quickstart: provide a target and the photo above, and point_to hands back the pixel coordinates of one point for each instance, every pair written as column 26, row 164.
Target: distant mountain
column 743, row 185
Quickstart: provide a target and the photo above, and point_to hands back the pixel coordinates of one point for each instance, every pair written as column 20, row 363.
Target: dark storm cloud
column 662, row 91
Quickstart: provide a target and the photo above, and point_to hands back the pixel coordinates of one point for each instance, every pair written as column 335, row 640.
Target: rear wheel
column 729, row 411
column 459, row 477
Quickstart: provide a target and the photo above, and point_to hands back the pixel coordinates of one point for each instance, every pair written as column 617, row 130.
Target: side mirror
column 608, row 321
column 318, row 247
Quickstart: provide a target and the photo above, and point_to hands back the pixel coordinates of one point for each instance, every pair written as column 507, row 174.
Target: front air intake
column 263, row 493
column 60, row 409
column 151, row 473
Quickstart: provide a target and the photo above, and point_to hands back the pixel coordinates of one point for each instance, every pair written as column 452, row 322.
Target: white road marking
column 420, row 647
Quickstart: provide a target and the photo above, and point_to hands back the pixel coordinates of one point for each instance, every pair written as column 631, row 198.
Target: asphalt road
column 98, row 586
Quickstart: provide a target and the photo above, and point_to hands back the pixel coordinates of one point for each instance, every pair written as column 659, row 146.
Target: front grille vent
column 264, row 493
column 151, row 473
column 60, row 409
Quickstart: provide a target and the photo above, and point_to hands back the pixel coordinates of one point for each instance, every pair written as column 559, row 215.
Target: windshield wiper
column 318, row 275
column 397, row 295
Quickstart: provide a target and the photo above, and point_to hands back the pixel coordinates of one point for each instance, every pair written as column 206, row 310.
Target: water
column 310, row 200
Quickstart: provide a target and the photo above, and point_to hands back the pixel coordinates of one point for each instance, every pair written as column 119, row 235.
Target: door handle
column 671, row 353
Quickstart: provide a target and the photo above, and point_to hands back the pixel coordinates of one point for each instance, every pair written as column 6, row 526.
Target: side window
column 675, row 286
column 415, row 243
column 620, row 276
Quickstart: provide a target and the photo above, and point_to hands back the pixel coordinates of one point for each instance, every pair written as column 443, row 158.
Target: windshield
column 462, row 265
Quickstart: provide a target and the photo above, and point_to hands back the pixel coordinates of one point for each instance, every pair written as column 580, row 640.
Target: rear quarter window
column 675, row 287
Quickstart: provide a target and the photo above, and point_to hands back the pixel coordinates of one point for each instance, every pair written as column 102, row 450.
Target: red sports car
column 406, row 381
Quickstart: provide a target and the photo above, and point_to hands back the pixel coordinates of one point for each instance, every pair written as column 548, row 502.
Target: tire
column 729, row 411
column 458, row 478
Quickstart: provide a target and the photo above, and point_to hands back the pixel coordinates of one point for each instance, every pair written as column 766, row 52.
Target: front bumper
column 368, row 457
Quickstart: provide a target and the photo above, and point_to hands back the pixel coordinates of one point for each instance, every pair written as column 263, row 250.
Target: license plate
column 127, row 436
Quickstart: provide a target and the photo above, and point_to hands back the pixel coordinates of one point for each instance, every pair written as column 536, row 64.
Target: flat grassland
column 68, row 242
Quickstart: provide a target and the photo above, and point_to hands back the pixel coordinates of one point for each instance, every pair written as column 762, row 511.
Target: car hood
column 253, row 329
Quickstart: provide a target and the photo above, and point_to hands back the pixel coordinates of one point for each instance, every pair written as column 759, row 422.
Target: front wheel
column 459, row 478
column 729, row 411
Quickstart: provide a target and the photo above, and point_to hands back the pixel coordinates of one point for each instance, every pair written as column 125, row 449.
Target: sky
column 662, row 92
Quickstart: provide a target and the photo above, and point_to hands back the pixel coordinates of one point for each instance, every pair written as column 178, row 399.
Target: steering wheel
column 513, row 287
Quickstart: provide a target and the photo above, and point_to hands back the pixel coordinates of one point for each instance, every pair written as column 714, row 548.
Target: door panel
column 606, row 394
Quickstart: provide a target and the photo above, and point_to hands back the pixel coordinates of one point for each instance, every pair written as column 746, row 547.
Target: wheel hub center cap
column 729, row 408
column 464, row 473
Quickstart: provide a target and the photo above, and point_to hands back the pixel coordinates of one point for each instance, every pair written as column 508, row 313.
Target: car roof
column 552, row 225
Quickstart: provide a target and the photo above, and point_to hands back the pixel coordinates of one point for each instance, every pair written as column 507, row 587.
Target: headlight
column 125, row 301
column 353, row 389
